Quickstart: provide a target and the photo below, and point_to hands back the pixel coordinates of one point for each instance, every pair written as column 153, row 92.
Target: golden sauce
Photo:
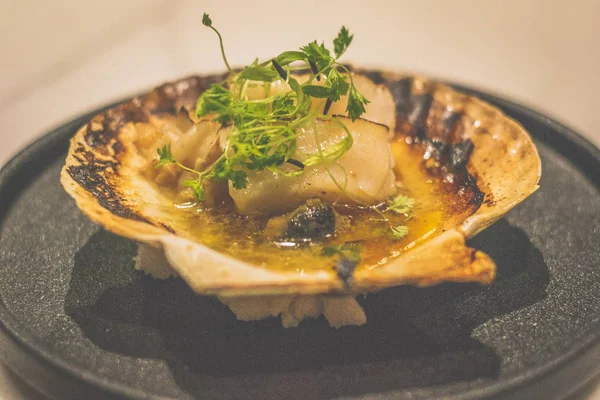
column 438, row 206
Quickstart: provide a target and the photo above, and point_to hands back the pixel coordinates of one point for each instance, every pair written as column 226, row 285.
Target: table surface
column 59, row 62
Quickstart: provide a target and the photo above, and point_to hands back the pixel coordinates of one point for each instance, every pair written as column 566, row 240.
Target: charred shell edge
column 431, row 112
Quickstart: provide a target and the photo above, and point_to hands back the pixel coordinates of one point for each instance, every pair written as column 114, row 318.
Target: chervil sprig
column 356, row 103
column 399, row 232
column 341, row 42
column 206, row 21
column 401, row 204
column 165, row 156
column 349, row 251
column 263, row 131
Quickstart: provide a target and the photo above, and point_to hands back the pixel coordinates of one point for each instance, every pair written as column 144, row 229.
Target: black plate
column 77, row 319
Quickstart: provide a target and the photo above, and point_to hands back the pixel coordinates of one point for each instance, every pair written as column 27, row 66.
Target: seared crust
column 504, row 163
column 102, row 173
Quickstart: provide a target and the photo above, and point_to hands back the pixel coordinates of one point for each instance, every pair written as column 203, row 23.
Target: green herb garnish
column 342, row 41
column 401, row 204
column 349, row 251
column 165, row 156
column 206, row 21
column 348, row 258
column 399, row 232
column 263, row 132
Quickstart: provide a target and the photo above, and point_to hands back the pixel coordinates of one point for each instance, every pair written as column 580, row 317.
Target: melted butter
column 438, row 206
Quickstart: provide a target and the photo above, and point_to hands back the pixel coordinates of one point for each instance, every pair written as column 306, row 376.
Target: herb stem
column 222, row 47
column 264, row 131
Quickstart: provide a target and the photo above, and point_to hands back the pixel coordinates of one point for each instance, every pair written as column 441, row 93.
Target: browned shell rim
column 503, row 162
column 99, row 160
column 426, row 109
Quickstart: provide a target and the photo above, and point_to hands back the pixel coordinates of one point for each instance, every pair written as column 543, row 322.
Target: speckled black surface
column 70, row 295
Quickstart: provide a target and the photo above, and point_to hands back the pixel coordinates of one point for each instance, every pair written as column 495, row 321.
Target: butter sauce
column 439, row 205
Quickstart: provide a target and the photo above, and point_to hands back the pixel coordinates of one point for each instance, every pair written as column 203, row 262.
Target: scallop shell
column 102, row 173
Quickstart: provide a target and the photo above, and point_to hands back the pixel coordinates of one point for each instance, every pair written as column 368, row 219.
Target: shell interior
column 103, row 174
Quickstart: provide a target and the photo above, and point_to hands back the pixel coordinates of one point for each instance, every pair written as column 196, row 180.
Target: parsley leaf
column 341, row 42
column 215, row 100
column 283, row 105
column 399, row 232
column 318, row 54
column 164, row 156
column 336, row 86
column 196, row 185
column 337, row 83
column 224, row 171
column 401, row 204
column 349, row 251
column 356, row 104
column 239, row 179
column 206, row 21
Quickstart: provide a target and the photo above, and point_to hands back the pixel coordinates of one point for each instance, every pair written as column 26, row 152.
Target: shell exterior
column 102, row 173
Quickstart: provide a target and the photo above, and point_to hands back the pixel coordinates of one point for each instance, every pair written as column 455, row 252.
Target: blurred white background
column 63, row 57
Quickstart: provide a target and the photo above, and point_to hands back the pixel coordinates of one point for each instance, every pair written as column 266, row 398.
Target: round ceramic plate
column 78, row 321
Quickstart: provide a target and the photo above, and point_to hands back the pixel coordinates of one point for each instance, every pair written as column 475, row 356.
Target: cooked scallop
column 366, row 171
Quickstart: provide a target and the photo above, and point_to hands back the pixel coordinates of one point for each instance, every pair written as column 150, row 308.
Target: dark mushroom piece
column 313, row 221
